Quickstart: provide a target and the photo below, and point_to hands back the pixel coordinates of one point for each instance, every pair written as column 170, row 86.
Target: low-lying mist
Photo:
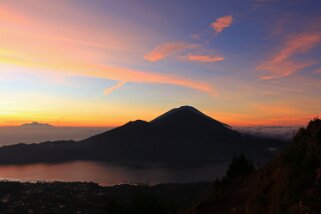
column 20, row 134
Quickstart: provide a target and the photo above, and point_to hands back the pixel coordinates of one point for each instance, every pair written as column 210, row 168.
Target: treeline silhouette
column 291, row 183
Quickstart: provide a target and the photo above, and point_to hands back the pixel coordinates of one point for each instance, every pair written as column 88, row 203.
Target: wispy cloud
column 203, row 58
column 172, row 48
column 129, row 75
column 317, row 71
column 221, row 23
column 265, row 1
column 82, row 67
column 113, row 88
column 283, row 69
column 282, row 64
column 197, row 53
column 166, row 49
column 57, row 52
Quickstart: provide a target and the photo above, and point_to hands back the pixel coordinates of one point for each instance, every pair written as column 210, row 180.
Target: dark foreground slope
column 289, row 184
column 181, row 136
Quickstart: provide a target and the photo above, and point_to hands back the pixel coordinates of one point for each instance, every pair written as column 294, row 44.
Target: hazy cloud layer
column 280, row 132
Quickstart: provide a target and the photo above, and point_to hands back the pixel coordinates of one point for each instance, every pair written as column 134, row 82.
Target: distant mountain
column 36, row 125
column 183, row 136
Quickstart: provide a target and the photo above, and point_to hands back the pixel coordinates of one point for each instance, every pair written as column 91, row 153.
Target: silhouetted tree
column 239, row 167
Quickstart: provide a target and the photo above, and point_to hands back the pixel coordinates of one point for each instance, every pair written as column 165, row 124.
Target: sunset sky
column 105, row 62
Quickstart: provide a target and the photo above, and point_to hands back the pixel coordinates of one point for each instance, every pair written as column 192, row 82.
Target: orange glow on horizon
column 231, row 119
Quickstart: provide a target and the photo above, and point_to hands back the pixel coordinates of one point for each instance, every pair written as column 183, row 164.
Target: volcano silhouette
column 182, row 135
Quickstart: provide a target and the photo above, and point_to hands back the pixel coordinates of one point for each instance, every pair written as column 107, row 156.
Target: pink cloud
column 166, row 49
column 282, row 64
column 109, row 90
column 283, row 69
column 298, row 44
column 204, row 58
column 221, row 23
column 317, row 71
column 128, row 75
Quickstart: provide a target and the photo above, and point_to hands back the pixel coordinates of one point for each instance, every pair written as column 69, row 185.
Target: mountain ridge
column 182, row 136
column 36, row 124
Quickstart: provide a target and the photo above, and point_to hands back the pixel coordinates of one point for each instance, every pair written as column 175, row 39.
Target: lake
column 109, row 174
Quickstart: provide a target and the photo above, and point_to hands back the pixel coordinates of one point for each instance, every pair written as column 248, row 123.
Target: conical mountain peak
column 185, row 114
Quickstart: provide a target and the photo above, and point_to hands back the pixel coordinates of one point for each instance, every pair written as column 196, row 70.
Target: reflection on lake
column 107, row 174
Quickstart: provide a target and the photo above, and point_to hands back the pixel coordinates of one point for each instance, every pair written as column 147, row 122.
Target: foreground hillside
column 289, row 184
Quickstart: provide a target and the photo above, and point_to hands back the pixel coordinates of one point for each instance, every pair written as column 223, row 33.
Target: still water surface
column 107, row 174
